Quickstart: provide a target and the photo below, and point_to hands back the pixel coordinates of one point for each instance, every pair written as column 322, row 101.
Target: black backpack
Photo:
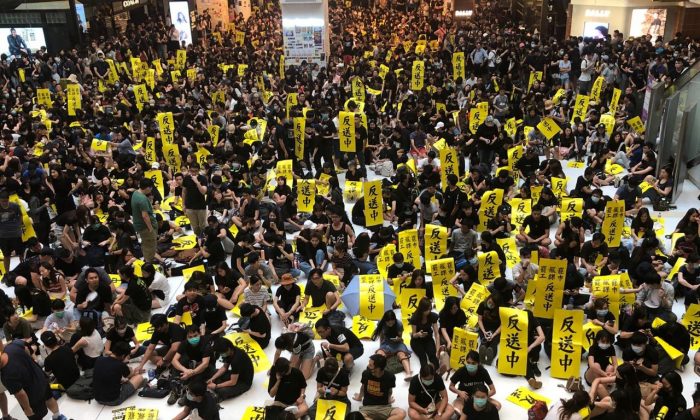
column 82, row 388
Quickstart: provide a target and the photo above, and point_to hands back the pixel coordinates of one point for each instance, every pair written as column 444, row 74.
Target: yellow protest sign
column 256, row 354
column 435, row 242
column 299, row 127
column 187, row 272
column 417, row 75
column 292, row 100
column 442, row 271
column 570, row 207
column 133, row 413
column 43, row 97
column 330, row 409
column 408, row 247
column 284, row 168
column 458, row 65
column 489, row 267
column 580, row 107
column 636, row 124
column 614, row 100
column 520, row 208
column 374, row 205
column 511, row 127
column 566, row 343
column 548, row 127
column 141, row 95
column 476, row 117
column 353, row 190
column 559, row 187
column 240, row 38
column 597, row 88
column 523, row 397
column 490, row 202
column 253, row 413
column 144, row 331
column 358, row 88
column 476, row 294
column 172, row 156
column 449, row 162
column 558, row 95
column 99, row 146
column 409, row 299
column 346, row 131
column 372, row 296
column 175, row 76
column 166, row 125
column 306, row 195
column 385, row 259
column 184, row 242
column 363, row 327
column 691, row 321
column 281, row 67
column 672, row 352
column 383, row 70
column 534, row 75
column 589, row 332
column 512, row 350
column 214, row 131
column 510, row 249
column 613, row 222
column 463, row 342
column 156, row 175
column 609, row 122
column 608, row 287
column 549, row 289
column 74, row 98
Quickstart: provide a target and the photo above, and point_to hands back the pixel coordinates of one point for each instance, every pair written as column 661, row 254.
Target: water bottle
column 151, row 374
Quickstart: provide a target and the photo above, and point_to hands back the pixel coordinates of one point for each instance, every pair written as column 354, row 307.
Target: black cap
column 210, row 302
column 49, row 338
column 158, row 320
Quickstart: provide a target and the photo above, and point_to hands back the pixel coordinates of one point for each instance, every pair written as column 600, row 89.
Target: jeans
column 366, row 267
column 621, row 159
column 318, row 259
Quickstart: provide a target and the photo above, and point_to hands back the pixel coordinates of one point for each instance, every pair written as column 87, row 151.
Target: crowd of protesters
column 105, row 235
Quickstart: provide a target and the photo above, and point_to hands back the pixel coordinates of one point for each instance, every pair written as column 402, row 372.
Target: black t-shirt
column 286, row 298
column 138, row 293
column 394, row 271
column 108, row 374
column 489, row 413
column 600, row 356
column 278, row 258
column 467, row 382
column 194, row 199
column 341, row 379
column 174, row 334
column 61, row 362
column 260, row 324
column 240, row 364
column 212, row 318
column 449, row 321
column 194, row 308
column 318, row 294
column 290, row 387
column 590, row 254
column 251, row 208
column 196, row 352
column 537, row 228
column 532, row 324
column 377, row 390
column 423, row 398
column 114, row 337
column 208, row 408
column 650, row 356
column 104, row 296
column 342, row 335
column 427, row 326
column 22, row 373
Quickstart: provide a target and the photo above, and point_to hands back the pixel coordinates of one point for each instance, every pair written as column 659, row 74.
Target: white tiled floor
column 233, row 409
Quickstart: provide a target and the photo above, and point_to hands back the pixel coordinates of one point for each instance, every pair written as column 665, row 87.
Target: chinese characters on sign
column 374, row 205
column 566, row 343
column 512, row 351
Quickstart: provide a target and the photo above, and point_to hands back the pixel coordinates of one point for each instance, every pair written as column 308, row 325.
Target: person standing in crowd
column 144, row 219
column 194, row 192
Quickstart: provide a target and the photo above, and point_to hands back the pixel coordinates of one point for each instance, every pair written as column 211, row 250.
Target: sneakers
column 482, row 354
column 174, row 393
column 292, row 409
column 60, row 417
column 182, row 400
column 534, row 383
column 490, row 355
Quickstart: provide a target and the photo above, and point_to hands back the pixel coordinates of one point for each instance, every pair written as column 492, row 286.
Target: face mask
column 604, row 346
column 480, row 402
column 638, row 349
column 472, row 368
column 427, row 382
column 399, row 265
column 194, row 340
column 601, row 312
column 595, row 199
column 473, row 261
column 60, row 314
column 490, row 305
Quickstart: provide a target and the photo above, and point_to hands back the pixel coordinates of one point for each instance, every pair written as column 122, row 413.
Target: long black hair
column 382, row 326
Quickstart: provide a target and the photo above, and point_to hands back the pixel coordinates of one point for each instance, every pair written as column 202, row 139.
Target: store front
column 588, row 18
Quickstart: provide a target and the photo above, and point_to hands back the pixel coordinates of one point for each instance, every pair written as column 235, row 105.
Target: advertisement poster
column 180, row 17
column 218, row 10
column 33, row 38
column 595, row 30
column 648, row 22
column 304, row 43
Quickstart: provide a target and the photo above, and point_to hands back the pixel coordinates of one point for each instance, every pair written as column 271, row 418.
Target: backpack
column 82, row 388
column 538, row 411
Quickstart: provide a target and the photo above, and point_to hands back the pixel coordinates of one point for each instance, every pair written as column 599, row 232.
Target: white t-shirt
column 585, row 74
column 160, row 282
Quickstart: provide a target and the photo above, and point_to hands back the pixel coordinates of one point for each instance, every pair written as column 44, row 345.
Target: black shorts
column 7, row 245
